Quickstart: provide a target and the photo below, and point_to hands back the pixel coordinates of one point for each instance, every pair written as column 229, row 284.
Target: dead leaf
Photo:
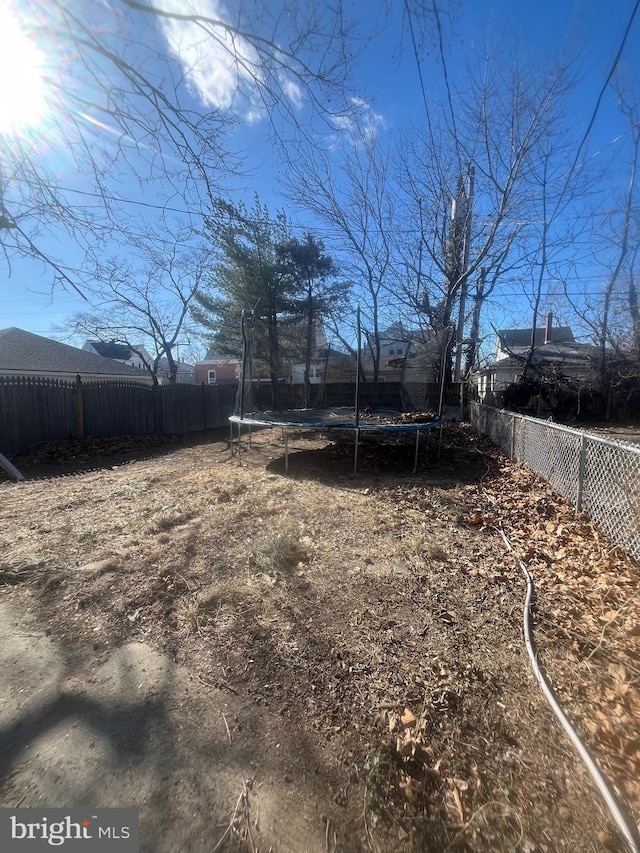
column 458, row 802
column 408, row 717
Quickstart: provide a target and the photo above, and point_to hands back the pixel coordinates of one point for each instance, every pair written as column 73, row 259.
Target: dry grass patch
column 340, row 605
column 277, row 553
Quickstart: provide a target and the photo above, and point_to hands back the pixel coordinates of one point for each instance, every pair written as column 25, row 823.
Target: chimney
column 547, row 328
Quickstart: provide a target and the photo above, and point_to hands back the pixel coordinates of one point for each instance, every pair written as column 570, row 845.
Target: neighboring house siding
column 185, row 373
column 559, row 355
column 316, row 372
column 226, row 372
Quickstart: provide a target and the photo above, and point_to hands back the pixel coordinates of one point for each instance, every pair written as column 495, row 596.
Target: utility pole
column 461, row 212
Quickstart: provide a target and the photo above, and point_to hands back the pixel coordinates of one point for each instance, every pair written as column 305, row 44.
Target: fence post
column 581, row 465
column 158, row 404
column 79, row 403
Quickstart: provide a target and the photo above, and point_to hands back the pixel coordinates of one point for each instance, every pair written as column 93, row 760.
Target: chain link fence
column 600, row 477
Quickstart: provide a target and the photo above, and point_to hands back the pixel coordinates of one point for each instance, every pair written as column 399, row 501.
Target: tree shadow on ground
column 74, row 456
column 133, row 732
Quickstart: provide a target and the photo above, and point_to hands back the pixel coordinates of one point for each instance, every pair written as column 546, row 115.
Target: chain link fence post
column 581, row 460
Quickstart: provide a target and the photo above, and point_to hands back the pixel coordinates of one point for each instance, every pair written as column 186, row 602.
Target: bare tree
column 470, row 192
column 147, row 303
column 141, row 99
column 611, row 314
column 348, row 188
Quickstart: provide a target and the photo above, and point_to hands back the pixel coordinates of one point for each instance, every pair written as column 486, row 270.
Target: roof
column 512, row 338
column 163, row 364
column 111, row 350
column 214, row 354
column 25, row 351
column 560, row 353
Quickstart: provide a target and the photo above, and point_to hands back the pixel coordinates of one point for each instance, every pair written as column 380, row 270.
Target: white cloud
column 217, row 65
column 362, row 125
column 293, row 91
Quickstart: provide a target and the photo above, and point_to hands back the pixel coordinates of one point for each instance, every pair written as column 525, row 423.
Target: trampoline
column 341, row 420
column 383, row 423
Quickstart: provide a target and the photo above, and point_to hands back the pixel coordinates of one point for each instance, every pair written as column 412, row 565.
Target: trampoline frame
column 344, row 426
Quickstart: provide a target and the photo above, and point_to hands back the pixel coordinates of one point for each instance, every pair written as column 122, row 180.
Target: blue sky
column 386, row 78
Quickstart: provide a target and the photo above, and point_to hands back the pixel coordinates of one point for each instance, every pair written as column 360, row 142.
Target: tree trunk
column 474, row 332
column 173, row 368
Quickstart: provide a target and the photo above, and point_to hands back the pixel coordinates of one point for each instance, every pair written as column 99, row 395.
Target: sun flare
column 21, row 77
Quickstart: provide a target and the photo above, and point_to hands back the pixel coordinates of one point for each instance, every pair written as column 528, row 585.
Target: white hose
column 628, row 830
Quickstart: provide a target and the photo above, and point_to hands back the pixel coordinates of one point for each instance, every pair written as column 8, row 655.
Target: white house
column 406, row 355
column 517, row 342
column 185, row 373
column 138, row 357
column 555, row 351
column 135, row 356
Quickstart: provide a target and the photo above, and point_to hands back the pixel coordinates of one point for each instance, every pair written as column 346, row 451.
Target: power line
column 612, row 71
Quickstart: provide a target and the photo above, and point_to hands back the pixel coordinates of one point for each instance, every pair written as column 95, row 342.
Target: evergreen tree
column 311, row 271
column 249, row 276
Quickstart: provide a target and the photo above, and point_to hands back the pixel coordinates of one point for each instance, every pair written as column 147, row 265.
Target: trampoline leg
column 239, row 444
column 415, row 460
column 231, row 431
column 250, row 445
column 355, row 457
column 286, row 451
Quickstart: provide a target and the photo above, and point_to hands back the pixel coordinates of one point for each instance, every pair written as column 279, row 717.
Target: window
column 212, row 377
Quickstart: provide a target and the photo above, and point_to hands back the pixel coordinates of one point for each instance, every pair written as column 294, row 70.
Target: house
column 517, row 342
column 406, row 355
column 293, row 336
column 556, row 353
column 217, row 369
column 135, row 356
column 138, row 356
column 27, row 354
column 185, row 373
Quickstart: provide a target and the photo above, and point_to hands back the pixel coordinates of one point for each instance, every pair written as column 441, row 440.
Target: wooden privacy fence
column 35, row 409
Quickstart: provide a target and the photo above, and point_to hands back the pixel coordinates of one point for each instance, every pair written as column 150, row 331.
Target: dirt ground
column 312, row 661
